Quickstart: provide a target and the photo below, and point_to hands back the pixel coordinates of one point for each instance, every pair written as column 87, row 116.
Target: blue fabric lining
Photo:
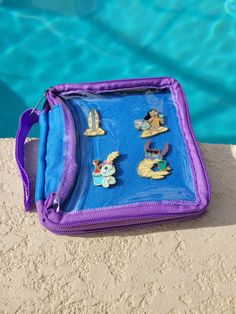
column 55, row 150
column 39, row 188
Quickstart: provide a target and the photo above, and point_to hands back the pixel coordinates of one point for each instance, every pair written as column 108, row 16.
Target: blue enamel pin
column 103, row 173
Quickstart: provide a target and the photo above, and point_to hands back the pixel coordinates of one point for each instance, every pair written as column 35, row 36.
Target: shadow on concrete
column 31, row 152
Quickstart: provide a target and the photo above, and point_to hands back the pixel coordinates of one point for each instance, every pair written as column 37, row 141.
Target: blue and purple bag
column 160, row 178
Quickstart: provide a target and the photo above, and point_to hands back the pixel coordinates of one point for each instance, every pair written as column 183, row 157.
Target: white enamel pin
column 151, row 124
column 154, row 157
column 93, row 124
column 103, row 171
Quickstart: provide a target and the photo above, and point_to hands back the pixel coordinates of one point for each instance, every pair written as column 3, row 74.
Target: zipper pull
column 57, row 205
column 39, row 102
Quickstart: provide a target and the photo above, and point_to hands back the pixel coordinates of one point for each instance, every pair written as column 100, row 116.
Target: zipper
column 86, row 93
column 197, row 146
column 70, row 164
column 69, row 228
column 90, row 93
column 83, row 93
column 76, row 121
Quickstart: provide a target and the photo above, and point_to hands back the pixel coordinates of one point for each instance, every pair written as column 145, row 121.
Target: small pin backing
column 154, row 157
column 93, row 124
column 151, row 125
column 103, row 173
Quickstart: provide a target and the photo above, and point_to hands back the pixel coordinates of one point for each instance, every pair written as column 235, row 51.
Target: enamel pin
column 103, row 172
column 151, row 124
column 154, row 157
column 93, row 124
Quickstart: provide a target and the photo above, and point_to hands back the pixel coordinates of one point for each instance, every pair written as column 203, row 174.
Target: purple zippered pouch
column 114, row 154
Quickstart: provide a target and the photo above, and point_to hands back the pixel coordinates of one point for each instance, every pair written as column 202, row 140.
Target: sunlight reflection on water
column 44, row 43
column 230, row 7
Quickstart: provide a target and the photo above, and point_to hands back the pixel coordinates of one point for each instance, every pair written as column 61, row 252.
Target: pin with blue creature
column 154, row 157
column 103, row 173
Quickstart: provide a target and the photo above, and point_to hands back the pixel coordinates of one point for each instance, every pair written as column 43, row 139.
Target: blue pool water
column 44, row 43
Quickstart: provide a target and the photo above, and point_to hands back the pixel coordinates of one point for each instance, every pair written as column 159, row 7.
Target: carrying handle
column 27, row 119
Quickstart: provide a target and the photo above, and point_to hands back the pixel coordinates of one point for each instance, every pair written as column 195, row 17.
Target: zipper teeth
column 135, row 81
column 130, row 218
column 197, row 147
column 202, row 163
column 64, row 190
column 75, row 229
column 87, row 92
column 78, row 157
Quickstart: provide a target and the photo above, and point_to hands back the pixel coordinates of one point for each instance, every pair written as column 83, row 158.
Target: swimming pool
column 44, row 43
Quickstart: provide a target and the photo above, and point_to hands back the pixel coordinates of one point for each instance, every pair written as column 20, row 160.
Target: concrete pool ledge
column 174, row 268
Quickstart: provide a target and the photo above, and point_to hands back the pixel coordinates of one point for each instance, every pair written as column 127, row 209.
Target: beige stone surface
column 187, row 267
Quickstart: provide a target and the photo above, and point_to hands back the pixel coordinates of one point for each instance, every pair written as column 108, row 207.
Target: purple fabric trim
column 96, row 226
column 54, row 220
column 125, row 211
column 26, row 121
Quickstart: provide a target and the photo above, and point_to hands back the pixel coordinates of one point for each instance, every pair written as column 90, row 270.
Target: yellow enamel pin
column 93, row 124
column 151, row 125
column 154, row 157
